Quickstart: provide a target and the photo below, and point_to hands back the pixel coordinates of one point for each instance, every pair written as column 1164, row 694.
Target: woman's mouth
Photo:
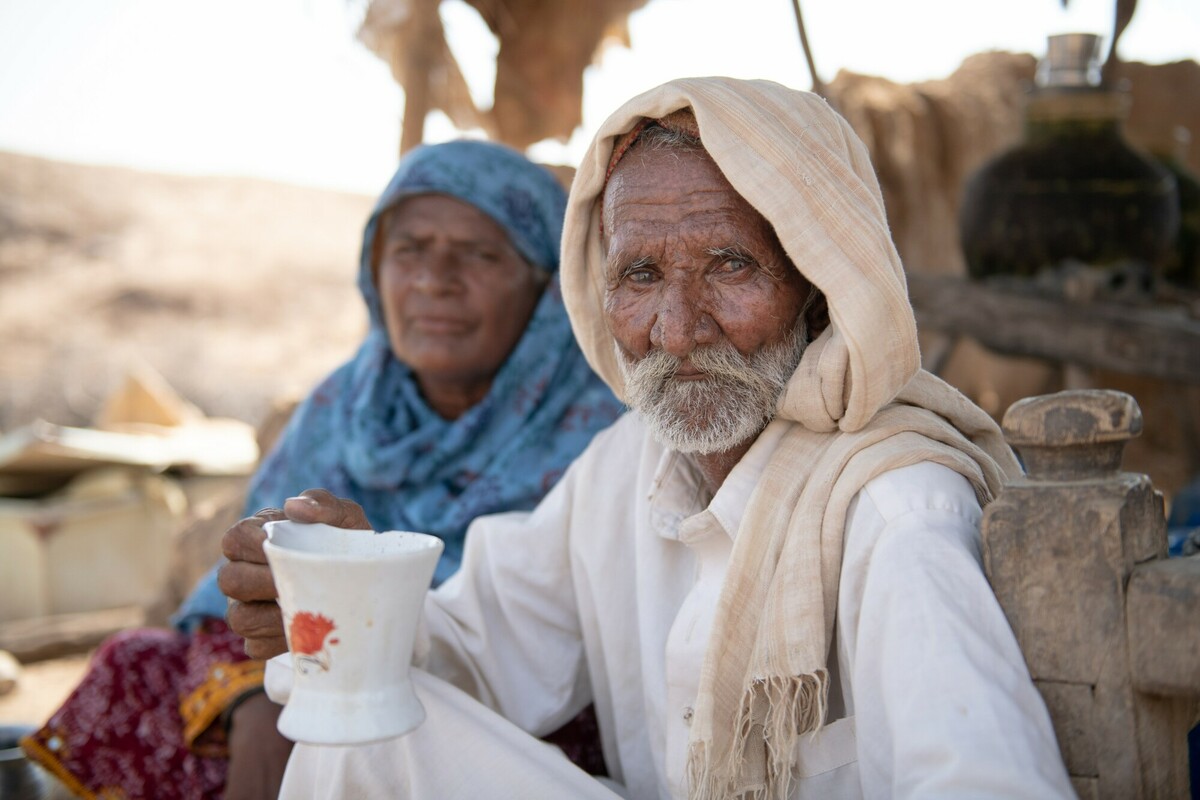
column 438, row 325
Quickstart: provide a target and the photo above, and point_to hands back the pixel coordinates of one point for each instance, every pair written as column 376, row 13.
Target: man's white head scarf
column 859, row 402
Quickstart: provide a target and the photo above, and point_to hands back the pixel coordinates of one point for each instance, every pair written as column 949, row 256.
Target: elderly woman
column 468, row 397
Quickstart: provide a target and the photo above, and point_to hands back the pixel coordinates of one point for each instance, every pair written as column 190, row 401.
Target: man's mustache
column 721, row 362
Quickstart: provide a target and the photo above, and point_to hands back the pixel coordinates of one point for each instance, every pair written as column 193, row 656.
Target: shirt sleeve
column 944, row 703
column 505, row 628
column 204, row 603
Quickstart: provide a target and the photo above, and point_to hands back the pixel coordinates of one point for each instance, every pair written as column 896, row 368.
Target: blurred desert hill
column 239, row 291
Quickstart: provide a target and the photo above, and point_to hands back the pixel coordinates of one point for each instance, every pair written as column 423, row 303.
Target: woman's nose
column 436, row 272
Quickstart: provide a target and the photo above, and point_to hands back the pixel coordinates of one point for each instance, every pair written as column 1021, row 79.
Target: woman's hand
column 246, row 580
column 258, row 752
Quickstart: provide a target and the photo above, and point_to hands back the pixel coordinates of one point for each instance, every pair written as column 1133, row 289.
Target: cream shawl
column 859, row 400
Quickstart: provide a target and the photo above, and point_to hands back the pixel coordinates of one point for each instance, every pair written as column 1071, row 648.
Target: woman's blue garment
column 1183, row 523
column 1183, row 532
column 366, row 433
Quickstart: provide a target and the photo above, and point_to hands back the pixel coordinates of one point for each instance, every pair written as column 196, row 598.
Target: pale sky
column 281, row 89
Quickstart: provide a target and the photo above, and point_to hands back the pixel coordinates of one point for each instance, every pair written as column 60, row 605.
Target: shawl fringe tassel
column 757, row 765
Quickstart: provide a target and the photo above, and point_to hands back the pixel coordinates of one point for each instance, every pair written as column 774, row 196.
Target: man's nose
column 682, row 323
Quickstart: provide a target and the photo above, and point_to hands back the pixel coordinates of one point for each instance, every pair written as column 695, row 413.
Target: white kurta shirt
column 606, row 593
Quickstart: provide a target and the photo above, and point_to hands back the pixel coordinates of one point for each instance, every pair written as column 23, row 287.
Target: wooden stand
column 1076, row 554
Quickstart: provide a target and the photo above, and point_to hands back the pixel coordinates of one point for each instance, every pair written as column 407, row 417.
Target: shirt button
column 687, row 714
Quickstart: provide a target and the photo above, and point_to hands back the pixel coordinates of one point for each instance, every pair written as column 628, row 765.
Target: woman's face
column 456, row 296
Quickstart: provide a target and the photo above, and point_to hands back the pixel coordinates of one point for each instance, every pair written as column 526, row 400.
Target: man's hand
column 258, row 752
column 246, row 580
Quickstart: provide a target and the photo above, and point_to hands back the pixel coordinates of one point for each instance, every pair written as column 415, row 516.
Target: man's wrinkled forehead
column 624, row 204
column 677, row 130
column 649, row 188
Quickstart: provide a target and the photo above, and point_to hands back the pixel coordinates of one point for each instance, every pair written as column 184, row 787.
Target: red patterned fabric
column 121, row 734
column 579, row 740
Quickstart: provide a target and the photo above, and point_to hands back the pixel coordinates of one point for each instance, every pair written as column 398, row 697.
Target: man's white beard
column 730, row 405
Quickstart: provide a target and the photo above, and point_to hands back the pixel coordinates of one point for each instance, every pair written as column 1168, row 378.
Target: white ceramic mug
column 351, row 602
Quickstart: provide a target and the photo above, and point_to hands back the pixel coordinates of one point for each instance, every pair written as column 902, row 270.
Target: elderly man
column 767, row 577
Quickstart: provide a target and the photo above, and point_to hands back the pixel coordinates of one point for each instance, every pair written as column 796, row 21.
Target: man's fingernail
column 308, row 501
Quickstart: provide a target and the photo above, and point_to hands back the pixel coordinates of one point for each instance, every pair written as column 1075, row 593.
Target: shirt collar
column 678, row 492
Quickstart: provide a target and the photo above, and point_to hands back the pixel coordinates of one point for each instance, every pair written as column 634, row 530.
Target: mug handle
column 278, row 678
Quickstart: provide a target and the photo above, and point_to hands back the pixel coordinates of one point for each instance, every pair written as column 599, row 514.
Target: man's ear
column 817, row 316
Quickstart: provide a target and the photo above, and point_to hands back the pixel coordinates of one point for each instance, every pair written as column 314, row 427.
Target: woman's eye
column 485, row 256
column 402, row 249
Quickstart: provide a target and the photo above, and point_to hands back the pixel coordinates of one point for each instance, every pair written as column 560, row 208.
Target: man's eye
column 736, row 264
column 641, row 275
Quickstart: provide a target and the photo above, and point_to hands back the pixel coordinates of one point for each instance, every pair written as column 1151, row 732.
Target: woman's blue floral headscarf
column 367, row 434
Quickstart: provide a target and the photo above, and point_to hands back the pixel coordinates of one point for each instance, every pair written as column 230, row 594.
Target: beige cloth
column 860, row 402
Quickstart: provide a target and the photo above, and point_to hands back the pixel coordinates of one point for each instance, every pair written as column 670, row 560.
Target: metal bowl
column 20, row 778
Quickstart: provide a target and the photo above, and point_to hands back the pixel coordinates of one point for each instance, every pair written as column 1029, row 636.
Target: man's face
column 456, row 294
column 701, row 299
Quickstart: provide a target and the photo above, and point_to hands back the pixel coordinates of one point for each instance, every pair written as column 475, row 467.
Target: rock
column 10, row 672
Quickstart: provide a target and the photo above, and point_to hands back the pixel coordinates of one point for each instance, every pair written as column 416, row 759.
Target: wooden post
column 1076, row 553
column 420, row 58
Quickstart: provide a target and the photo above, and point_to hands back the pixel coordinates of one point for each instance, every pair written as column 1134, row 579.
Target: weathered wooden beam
column 64, row 634
column 1159, row 343
column 1164, row 629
